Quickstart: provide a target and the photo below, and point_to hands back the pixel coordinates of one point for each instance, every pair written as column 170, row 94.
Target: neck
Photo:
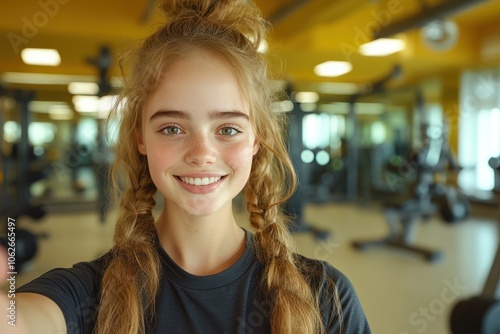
column 201, row 245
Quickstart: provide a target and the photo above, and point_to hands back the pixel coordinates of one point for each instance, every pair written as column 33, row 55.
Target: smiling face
column 197, row 136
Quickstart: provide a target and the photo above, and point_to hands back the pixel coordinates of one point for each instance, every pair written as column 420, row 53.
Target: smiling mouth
column 203, row 181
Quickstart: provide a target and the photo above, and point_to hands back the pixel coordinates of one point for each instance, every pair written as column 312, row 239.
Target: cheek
column 239, row 155
column 161, row 157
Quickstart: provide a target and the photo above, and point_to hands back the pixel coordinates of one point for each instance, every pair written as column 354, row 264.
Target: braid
column 295, row 309
column 131, row 279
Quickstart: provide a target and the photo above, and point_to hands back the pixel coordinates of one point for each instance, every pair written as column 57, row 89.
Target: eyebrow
column 169, row 113
column 214, row 115
column 228, row 115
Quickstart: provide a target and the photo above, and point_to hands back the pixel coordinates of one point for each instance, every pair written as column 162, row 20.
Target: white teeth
column 200, row 181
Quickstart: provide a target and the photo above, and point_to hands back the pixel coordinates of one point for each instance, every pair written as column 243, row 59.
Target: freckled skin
column 196, row 144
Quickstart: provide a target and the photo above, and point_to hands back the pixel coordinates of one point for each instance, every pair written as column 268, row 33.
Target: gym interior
column 394, row 109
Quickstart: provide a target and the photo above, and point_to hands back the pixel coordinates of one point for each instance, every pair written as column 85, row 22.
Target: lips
column 200, row 181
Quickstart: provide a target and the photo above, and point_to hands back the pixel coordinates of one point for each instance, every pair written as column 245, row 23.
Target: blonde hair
column 233, row 31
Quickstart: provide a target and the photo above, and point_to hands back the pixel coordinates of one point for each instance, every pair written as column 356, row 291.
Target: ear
column 140, row 142
column 256, row 147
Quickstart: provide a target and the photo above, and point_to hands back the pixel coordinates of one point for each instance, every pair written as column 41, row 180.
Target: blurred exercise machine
column 295, row 205
column 19, row 168
column 352, row 159
column 103, row 156
column 481, row 314
column 429, row 195
column 19, row 171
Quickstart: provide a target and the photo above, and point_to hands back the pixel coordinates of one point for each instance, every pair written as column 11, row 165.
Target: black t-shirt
column 228, row 302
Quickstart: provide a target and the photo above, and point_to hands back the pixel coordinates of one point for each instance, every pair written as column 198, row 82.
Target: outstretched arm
column 27, row 313
column 33, row 313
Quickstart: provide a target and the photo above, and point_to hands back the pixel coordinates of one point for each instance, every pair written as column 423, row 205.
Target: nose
column 201, row 150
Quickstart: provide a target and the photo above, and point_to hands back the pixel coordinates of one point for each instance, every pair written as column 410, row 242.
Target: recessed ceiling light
column 83, row 88
column 362, row 108
column 333, row 68
column 284, row 106
column 306, row 97
column 108, row 103
column 45, row 106
column 98, row 106
column 44, row 57
column 44, row 78
column 382, row 47
column 86, row 104
column 263, row 47
column 60, row 113
column 339, row 88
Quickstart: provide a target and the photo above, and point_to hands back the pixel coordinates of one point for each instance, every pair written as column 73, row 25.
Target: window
column 479, row 124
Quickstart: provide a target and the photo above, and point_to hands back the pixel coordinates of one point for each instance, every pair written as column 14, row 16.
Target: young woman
column 198, row 128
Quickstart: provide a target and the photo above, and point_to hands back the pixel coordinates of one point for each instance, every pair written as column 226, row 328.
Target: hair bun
column 202, row 8
column 239, row 15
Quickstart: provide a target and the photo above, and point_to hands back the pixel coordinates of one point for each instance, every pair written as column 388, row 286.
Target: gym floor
column 401, row 293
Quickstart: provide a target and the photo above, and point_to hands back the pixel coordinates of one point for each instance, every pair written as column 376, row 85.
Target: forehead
column 199, row 82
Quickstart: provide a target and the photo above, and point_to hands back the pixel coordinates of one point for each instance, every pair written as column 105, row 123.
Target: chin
column 207, row 209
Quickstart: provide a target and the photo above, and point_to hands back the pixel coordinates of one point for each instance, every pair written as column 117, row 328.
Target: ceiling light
column 440, row 35
column 57, row 117
column 333, row 68
column 306, row 97
column 83, row 88
column 284, row 106
column 108, row 103
column 100, row 107
column 56, row 110
column 60, row 108
column 46, row 57
column 382, row 47
column 263, row 47
column 361, row 108
column 340, row 88
column 44, row 79
column 86, row 104
column 61, row 113
column 46, row 106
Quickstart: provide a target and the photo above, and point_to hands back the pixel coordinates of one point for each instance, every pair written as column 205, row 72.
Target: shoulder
column 320, row 274
column 83, row 272
column 93, row 268
column 88, row 270
column 338, row 302
column 80, row 282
